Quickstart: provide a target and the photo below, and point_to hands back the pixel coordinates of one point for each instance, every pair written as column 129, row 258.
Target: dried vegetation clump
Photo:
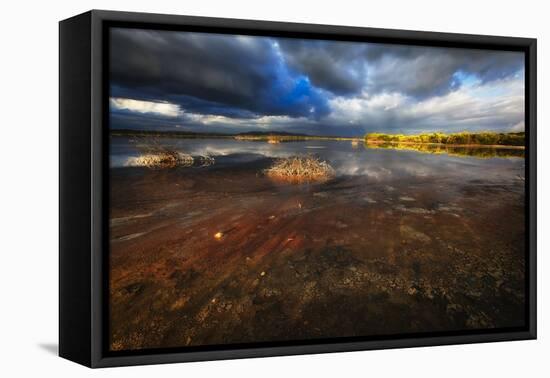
column 297, row 169
column 167, row 159
column 157, row 156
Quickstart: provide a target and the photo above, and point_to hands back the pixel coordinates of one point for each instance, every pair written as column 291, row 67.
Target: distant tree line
column 482, row 138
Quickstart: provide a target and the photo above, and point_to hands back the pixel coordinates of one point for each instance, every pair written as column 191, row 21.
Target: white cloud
column 139, row 106
column 495, row 105
column 263, row 122
column 518, row 127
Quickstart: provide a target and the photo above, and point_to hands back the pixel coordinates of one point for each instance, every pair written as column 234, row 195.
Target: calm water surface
column 378, row 164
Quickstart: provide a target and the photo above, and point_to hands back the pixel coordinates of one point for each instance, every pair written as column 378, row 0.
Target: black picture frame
column 83, row 182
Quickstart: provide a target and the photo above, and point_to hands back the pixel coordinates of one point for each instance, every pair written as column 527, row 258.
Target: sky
column 216, row 83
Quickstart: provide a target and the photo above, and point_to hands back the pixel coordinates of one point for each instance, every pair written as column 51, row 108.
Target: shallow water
column 399, row 241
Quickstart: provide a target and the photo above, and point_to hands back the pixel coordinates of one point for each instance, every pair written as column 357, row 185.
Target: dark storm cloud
column 230, row 75
column 424, row 71
column 346, row 68
column 189, row 103
column 125, row 119
column 338, row 67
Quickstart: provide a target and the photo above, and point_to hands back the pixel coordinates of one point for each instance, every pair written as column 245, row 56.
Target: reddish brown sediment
column 218, row 256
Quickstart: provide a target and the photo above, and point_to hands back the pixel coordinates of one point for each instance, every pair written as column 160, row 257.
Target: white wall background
column 29, row 189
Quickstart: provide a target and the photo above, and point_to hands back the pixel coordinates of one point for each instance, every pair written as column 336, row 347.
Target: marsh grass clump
column 163, row 160
column 297, row 169
column 155, row 155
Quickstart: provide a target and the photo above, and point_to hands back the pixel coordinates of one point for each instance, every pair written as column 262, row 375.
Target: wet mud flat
column 219, row 255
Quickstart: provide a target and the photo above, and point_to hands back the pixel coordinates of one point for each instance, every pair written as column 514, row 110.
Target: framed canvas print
column 234, row 188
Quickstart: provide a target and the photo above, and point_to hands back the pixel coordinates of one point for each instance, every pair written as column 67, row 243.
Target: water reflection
column 479, row 152
column 381, row 162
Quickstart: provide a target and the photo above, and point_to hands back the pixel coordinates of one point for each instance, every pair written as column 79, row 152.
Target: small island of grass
column 298, row 169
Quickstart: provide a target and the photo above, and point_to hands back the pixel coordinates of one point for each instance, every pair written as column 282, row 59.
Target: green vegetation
column 463, row 138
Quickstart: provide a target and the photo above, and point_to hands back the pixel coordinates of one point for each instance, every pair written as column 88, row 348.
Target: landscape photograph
column 268, row 189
